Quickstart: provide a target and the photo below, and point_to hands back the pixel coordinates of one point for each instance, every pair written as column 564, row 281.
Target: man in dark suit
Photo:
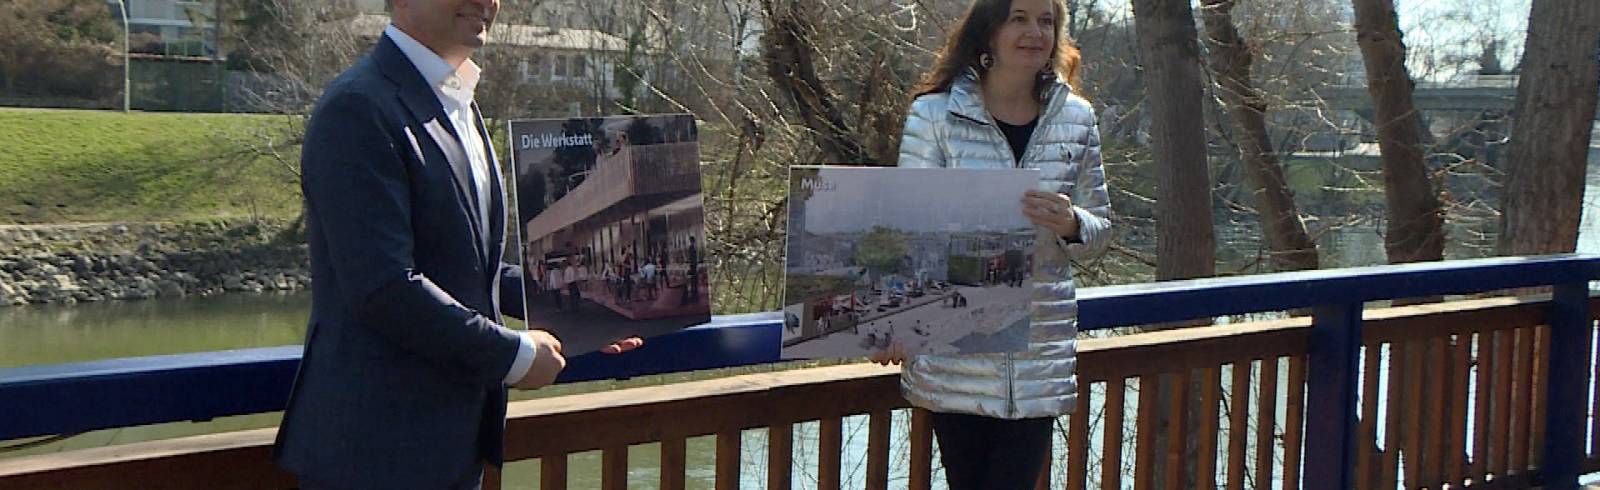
column 403, row 381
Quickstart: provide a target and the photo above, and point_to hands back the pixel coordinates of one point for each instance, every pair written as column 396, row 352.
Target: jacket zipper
column 1049, row 109
column 1044, row 113
column 1011, row 369
column 1011, row 374
column 1005, row 146
column 1027, row 150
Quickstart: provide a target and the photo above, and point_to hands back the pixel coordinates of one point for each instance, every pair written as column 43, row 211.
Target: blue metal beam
column 728, row 341
column 85, row 396
column 1152, row 303
column 1567, row 389
column 1330, row 449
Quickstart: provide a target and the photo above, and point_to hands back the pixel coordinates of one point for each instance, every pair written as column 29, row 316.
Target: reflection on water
column 87, row 331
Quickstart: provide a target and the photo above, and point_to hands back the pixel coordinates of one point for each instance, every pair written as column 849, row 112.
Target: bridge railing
column 1488, row 392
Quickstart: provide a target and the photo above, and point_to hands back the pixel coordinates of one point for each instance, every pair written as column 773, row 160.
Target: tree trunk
column 1416, row 221
column 1185, row 240
column 1169, row 47
column 1230, row 57
column 788, row 50
column 1415, row 227
column 1551, row 129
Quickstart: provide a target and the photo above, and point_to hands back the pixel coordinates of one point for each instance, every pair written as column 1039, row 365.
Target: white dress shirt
column 454, row 87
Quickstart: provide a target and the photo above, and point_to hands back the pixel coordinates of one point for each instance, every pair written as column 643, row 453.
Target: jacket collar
column 415, row 92
column 966, row 99
column 455, row 83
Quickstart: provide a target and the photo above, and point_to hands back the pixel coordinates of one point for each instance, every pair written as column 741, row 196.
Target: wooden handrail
column 239, row 459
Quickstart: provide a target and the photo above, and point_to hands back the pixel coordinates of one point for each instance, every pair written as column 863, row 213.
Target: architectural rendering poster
column 612, row 227
column 935, row 261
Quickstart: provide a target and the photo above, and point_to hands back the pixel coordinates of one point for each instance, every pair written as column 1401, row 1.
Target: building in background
column 564, row 71
column 170, row 27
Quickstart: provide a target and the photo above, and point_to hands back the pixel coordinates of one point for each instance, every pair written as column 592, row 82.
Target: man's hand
column 547, row 361
column 623, row 345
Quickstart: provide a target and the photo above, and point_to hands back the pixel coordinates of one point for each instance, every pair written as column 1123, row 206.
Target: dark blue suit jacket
column 401, row 382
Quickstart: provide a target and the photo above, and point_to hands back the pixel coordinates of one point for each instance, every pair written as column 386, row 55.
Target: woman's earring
column 985, row 61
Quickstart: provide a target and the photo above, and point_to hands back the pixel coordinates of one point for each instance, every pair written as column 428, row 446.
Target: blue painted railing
column 71, row 398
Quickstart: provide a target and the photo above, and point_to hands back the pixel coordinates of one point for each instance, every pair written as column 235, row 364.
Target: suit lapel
column 424, row 105
column 496, row 236
column 497, row 192
column 443, row 135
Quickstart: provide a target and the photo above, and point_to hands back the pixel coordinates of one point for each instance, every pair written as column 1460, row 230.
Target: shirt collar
column 458, row 84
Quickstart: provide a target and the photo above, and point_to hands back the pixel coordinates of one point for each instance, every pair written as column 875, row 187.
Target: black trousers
column 986, row 453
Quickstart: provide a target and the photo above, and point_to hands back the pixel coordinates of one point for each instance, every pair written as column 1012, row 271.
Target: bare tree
column 790, row 55
column 1415, row 230
column 1230, row 58
column 290, row 50
column 1549, row 144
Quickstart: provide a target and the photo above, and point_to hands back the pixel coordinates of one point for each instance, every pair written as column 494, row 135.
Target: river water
column 56, row 334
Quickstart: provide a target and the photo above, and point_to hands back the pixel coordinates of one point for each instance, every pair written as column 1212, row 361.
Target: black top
column 1017, row 136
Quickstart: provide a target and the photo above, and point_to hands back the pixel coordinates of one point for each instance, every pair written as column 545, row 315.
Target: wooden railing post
column 780, row 456
column 830, row 434
column 614, row 467
column 729, row 450
column 878, row 450
column 1331, row 405
column 1567, row 385
column 921, row 477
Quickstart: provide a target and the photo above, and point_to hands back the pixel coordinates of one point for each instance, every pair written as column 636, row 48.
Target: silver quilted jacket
column 953, row 129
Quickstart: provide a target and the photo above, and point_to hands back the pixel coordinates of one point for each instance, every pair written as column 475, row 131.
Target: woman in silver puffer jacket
column 1000, row 96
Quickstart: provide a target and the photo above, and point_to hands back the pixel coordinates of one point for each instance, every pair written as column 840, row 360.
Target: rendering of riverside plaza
column 613, row 230
column 929, row 260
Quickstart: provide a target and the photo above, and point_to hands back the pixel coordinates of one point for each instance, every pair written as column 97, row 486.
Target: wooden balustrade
column 1461, row 386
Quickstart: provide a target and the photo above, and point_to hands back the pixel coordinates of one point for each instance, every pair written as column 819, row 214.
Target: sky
column 918, row 199
column 1440, row 28
column 1509, row 15
column 1453, row 27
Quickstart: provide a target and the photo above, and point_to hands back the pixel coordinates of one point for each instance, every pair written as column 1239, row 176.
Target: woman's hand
column 1051, row 211
column 895, row 354
column 623, row 345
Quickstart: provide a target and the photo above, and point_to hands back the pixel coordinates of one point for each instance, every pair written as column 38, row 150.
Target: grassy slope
column 80, row 166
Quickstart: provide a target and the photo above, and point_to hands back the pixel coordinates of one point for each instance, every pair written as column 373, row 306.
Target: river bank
column 71, row 263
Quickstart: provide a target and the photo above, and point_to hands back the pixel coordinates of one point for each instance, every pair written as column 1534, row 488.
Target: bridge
column 1476, row 391
column 1486, row 93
